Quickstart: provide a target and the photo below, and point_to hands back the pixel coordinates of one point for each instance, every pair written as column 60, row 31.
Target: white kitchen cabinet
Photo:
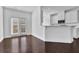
column 46, row 18
column 68, row 17
column 72, row 16
column 55, row 18
column 61, row 26
column 52, row 18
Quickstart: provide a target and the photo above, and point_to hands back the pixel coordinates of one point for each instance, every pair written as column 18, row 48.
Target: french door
column 18, row 26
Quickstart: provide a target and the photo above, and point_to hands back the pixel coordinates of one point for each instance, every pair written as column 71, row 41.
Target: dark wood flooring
column 22, row 44
column 75, row 46
column 31, row 44
column 56, row 47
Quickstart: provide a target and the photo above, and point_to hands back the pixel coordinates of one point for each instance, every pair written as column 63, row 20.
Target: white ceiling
column 22, row 8
column 32, row 8
column 58, row 8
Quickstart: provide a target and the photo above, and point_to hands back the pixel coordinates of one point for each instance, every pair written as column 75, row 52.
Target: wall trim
column 58, row 41
column 9, row 36
column 39, row 37
column 13, row 36
column 1, row 39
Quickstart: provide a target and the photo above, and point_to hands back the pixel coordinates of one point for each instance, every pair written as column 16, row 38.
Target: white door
column 18, row 26
column 14, row 26
column 22, row 26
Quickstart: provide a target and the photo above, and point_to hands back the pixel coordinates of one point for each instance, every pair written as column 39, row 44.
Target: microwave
column 61, row 21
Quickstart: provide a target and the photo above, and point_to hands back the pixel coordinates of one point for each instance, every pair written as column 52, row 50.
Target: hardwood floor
column 38, row 46
column 31, row 44
column 76, row 45
column 22, row 44
column 55, row 47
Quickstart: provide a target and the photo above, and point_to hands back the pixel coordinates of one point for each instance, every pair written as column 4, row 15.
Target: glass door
column 18, row 26
column 22, row 26
column 14, row 26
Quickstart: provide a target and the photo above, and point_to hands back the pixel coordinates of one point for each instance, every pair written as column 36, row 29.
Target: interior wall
column 8, row 13
column 1, row 23
column 37, row 29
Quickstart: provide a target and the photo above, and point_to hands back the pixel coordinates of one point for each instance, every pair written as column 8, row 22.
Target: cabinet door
column 14, row 25
column 46, row 19
column 71, row 17
column 56, row 17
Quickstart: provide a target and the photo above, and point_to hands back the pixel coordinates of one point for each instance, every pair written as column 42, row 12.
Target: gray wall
column 1, row 23
column 8, row 13
column 37, row 29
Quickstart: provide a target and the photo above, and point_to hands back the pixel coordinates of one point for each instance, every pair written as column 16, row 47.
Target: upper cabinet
column 53, row 18
column 71, row 16
column 57, row 18
column 67, row 17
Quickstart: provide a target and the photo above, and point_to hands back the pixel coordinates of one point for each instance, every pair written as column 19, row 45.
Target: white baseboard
column 38, row 37
column 28, row 34
column 15, row 35
column 1, row 39
column 7, row 37
column 59, row 41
